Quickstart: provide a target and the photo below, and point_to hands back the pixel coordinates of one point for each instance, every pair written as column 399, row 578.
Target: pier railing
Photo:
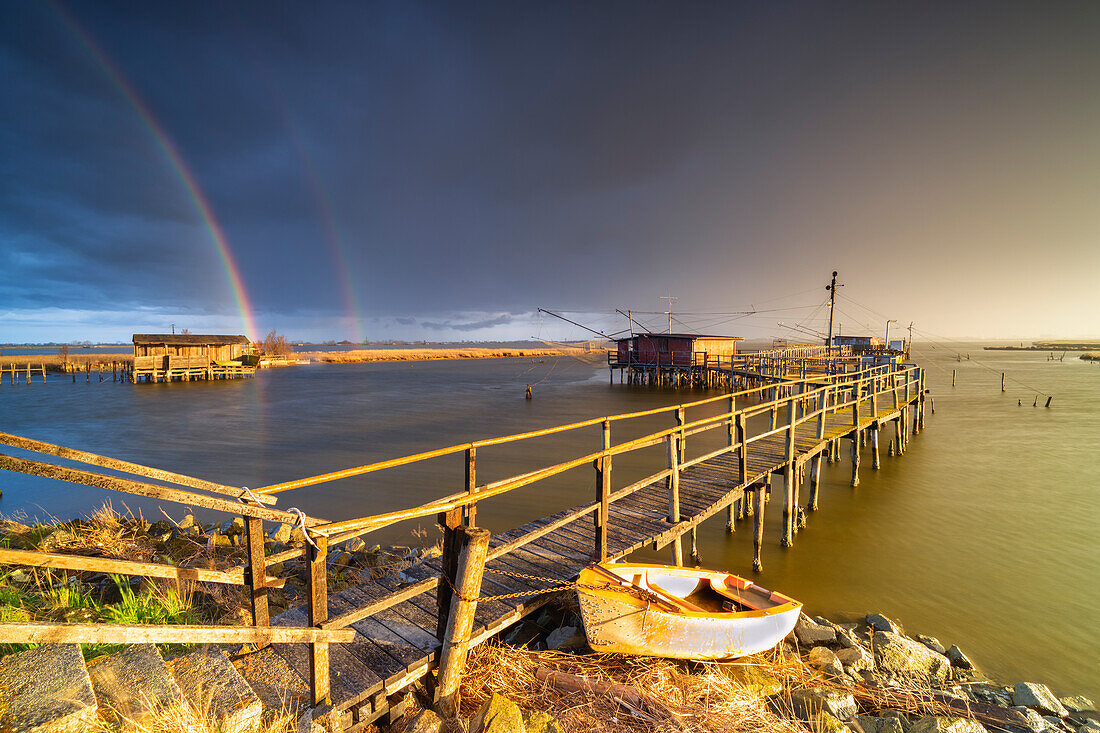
column 254, row 511
column 786, row 404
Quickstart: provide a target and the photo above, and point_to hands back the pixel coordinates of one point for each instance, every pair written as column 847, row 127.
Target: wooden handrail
column 28, row 558
column 47, row 632
column 129, row 486
column 94, row 459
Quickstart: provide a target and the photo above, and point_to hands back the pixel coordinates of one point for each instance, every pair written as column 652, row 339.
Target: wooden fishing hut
column 186, row 357
column 672, row 359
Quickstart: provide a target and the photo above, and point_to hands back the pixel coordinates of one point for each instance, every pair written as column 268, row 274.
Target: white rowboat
column 682, row 613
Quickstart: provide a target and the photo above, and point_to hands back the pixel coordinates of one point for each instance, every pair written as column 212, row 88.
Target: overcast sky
column 411, row 170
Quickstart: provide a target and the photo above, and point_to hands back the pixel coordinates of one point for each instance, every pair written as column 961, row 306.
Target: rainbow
column 175, row 160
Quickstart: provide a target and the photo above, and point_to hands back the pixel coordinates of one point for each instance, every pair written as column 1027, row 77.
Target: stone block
column 133, row 682
column 46, row 690
column 212, row 685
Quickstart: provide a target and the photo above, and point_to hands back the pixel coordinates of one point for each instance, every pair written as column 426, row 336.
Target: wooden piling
column 757, row 527
column 673, row 484
column 855, row 458
column 1002, row 381
column 603, row 494
column 952, row 377
column 318, row 614
column 815, row 482
column 876, row 462
column 474, row 542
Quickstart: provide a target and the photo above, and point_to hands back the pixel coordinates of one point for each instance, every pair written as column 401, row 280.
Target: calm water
column 985, row 534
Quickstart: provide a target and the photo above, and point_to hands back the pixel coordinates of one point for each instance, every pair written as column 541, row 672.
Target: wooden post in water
column 474, row 542
column 736, row 508
column 674, row 495
column 603, row 494
column 743, row 462
column 757, row 527
column 790, row 502
column 952, row 377
column 695, row 558
column 876, row 463
column 318, row 614
column 1002, row 381
column 855, row 458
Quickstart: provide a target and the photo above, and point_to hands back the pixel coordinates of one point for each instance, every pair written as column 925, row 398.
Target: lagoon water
column 986, row 533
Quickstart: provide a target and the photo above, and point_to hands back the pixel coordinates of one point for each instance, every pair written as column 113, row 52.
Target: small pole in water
column 1048, row 401
column 952, row 377
column 1002, row 381
column 1019, row 403
column 1036, row 402
column 528, row 394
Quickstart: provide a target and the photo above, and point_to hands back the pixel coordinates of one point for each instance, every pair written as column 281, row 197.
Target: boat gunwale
column 786, row 606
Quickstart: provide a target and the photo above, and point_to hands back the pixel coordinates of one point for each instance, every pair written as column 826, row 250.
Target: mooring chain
column 639, row 593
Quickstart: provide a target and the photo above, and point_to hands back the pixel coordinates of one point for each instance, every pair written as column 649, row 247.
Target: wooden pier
column 405, row 627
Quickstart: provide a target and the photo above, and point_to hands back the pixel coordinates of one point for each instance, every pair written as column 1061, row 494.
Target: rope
column 639, row 593
column 301, row 516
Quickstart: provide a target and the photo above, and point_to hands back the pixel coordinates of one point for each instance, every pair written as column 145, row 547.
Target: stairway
column 50, row 688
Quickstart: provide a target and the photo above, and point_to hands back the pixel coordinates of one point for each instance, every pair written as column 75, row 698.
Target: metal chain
column 638, row 593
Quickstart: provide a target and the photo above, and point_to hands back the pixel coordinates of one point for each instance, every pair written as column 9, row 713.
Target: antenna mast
column 669, row 298
column 831, row 287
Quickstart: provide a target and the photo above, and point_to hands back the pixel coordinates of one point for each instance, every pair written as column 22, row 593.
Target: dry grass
column 181, row 717
column 370, row 355
column 53, row 361
column 701, row 696
column 702, row 699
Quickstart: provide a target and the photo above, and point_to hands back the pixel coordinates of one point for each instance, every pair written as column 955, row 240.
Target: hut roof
column 679, row 336
column 188, row 339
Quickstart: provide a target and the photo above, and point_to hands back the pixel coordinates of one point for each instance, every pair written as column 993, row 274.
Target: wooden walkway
column 400, row 643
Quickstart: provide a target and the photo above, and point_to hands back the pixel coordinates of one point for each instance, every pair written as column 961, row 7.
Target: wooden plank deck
column 394, row 647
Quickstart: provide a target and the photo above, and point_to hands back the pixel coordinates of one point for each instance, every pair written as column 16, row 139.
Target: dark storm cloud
column 406, row 160
column 467, row 326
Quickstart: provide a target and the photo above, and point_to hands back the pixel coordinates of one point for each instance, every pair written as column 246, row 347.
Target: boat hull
column 626, row 624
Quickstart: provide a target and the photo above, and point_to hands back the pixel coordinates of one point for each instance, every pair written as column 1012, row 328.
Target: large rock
column 811, row 633
column 872, row 724
column 856, row 659
column 755, row 678
column 1037, row 697
column 900, row 657
column 132, row 682
column 808, row 703
column 878, row 622
column 932, row 643
column 1034, row 721
column 281, row 534
column 566, row 639
column 1089, row 726
column 498, row 715
column 537, row 721
column 1077, row 704
column 426, row 721
column 824, row 659
column 46, row 690
column 958, row 659
column 937, row 724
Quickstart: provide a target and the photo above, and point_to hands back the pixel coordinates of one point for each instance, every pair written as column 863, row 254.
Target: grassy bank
column 369, row 355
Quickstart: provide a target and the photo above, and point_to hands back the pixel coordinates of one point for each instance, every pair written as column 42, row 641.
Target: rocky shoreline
column 864, row 677
column 540, row 677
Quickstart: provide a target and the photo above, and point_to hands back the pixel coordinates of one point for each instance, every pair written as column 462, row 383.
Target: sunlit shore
column 54, row 362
